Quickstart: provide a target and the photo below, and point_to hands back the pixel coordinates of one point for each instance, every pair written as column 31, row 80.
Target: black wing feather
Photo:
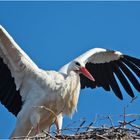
column 136, row 61
column 130, row 75
column 132, row 66
column 104, row 75
column 113, row 83
column 9, row 96
column 122, row 79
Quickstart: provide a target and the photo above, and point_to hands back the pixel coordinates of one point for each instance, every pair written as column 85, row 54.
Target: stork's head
column 80, row 68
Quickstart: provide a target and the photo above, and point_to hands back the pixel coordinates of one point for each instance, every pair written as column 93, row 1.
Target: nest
column 123, row 126
column 104, row 133
column 124, row 130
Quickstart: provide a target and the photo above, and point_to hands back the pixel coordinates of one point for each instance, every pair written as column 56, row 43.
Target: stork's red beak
column 86, row 73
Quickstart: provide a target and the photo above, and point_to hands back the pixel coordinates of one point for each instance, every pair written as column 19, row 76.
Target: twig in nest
column 81, row 125
column 29, row 133
column 89, row 127
column 135, row 126
column 126, row 123
column 111, row 121
column 124, row 112
column 102, row 137
column 50, row 135
column 24, row 137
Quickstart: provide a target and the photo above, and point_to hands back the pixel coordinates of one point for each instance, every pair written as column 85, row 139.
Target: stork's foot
column 58, row 131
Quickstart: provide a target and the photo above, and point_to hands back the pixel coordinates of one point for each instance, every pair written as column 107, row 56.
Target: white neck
column 72, row 92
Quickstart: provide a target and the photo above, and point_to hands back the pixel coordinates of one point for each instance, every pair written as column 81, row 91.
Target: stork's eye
column 77, row 63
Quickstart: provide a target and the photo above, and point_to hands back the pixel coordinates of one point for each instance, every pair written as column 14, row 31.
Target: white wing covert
column 14, row 65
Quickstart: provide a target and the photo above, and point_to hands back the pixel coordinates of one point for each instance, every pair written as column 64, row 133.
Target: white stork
column 24, row 87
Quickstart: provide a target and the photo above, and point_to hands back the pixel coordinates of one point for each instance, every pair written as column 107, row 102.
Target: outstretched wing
column 14, row 66
column 107, row 65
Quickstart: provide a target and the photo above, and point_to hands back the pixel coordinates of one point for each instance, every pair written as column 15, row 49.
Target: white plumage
column 36, row 96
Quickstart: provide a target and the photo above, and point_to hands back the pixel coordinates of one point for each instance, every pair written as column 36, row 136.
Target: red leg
column 37, row 130
column 57, row 126
column 58, row 123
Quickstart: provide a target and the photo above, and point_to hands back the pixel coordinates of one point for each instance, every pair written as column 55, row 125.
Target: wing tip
column 120, row 96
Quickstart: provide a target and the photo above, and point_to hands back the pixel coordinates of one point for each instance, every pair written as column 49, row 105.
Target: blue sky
column 54, row 33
